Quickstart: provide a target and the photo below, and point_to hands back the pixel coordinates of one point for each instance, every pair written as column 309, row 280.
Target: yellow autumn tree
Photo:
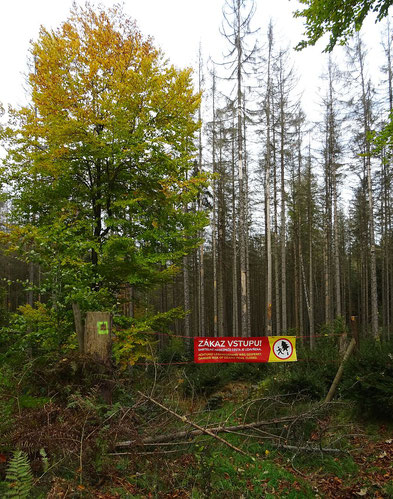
column 100, row 159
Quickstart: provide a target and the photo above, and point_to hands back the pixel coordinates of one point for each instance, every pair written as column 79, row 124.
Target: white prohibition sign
column 283, row 349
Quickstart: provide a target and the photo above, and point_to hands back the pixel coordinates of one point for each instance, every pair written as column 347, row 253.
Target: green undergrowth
column 67, row 412
column 214, row 471
column 342, row 466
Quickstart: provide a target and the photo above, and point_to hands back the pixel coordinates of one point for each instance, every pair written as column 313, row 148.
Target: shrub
column 312, row 375
column 310, row 380
column 209, row 378
column 204, row 379
column 173, row 351
column 37, row 330
column 368, row 379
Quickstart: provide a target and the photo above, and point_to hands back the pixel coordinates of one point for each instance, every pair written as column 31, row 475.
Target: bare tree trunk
column 132, row 304
column 200, row 208
column 296, row 281
column 267, row 187
column 214, row 257
column 221, row 246
column 242, row 201
column 337, row 278
column 268, row 255
column 187, row 301
column 386, row 166
column 332, row 177
column 247, row 214
column 326, row 251
column 235, row 316
column 373, row 265
column 310, row 257
column 235, row 28
column 282, row 226
column 326, row 282
column 311, row 295
column 340, row 371
column 79, row 326
column 201, row 292
column 214, row 212
column 275, row 244
column 373, row 259
column 30, row 293
column 194, row 272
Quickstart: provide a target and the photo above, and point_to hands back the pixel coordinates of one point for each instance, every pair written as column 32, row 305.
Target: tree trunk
column 242, row 203
column 79, row 328
column 267, row 188
column 235, row 316
column 214, row 212
column 200, row 208
column 187, row 301
column 282, row 221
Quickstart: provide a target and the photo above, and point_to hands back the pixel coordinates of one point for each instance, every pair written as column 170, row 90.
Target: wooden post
column 97, row 339
column 340, row 371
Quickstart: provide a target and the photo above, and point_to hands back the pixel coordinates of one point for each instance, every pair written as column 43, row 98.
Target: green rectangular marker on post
column 102, row 327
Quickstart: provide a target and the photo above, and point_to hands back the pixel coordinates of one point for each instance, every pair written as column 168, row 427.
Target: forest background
column 299, row 233
column 185, row 204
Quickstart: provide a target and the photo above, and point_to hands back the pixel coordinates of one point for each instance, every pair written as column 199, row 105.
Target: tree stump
column 97, row 340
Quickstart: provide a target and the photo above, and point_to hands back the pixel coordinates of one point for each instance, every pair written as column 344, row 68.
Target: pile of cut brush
column 290, row 429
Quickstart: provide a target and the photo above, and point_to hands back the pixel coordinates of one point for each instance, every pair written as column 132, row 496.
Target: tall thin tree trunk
column 275, row 244
column 247, row 215
column 267, row 188
column 235, row 316
column 367, row 125
column 221, row 245
column 337, row 274
column 214, row 212
column 282, row 222
column 242, row 194
column 200, row 208
column 30, row 293
column 310, row 257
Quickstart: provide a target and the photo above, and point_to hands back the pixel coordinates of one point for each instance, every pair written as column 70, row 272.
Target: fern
column 19, row 476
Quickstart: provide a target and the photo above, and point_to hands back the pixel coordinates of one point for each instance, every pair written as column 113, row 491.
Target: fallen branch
column 340, row 371
column 200, row 429
column 310, row 449
column 155, row 453
column 185, row 434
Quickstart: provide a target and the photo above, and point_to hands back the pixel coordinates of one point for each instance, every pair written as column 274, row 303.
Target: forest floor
column 368, row 472
column 209, row 469
column 212, row 470
column 81, row 427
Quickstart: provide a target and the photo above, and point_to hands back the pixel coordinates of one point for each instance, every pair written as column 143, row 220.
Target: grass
column 388, row 489
column 214, row 471
column 342, row 467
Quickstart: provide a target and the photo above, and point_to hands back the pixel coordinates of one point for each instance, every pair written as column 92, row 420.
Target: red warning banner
column 231, row 349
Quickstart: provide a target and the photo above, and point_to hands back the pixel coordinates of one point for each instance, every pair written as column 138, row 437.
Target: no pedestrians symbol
column 283, row 349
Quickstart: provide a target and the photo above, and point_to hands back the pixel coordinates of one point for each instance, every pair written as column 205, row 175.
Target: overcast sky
column 178, row 26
